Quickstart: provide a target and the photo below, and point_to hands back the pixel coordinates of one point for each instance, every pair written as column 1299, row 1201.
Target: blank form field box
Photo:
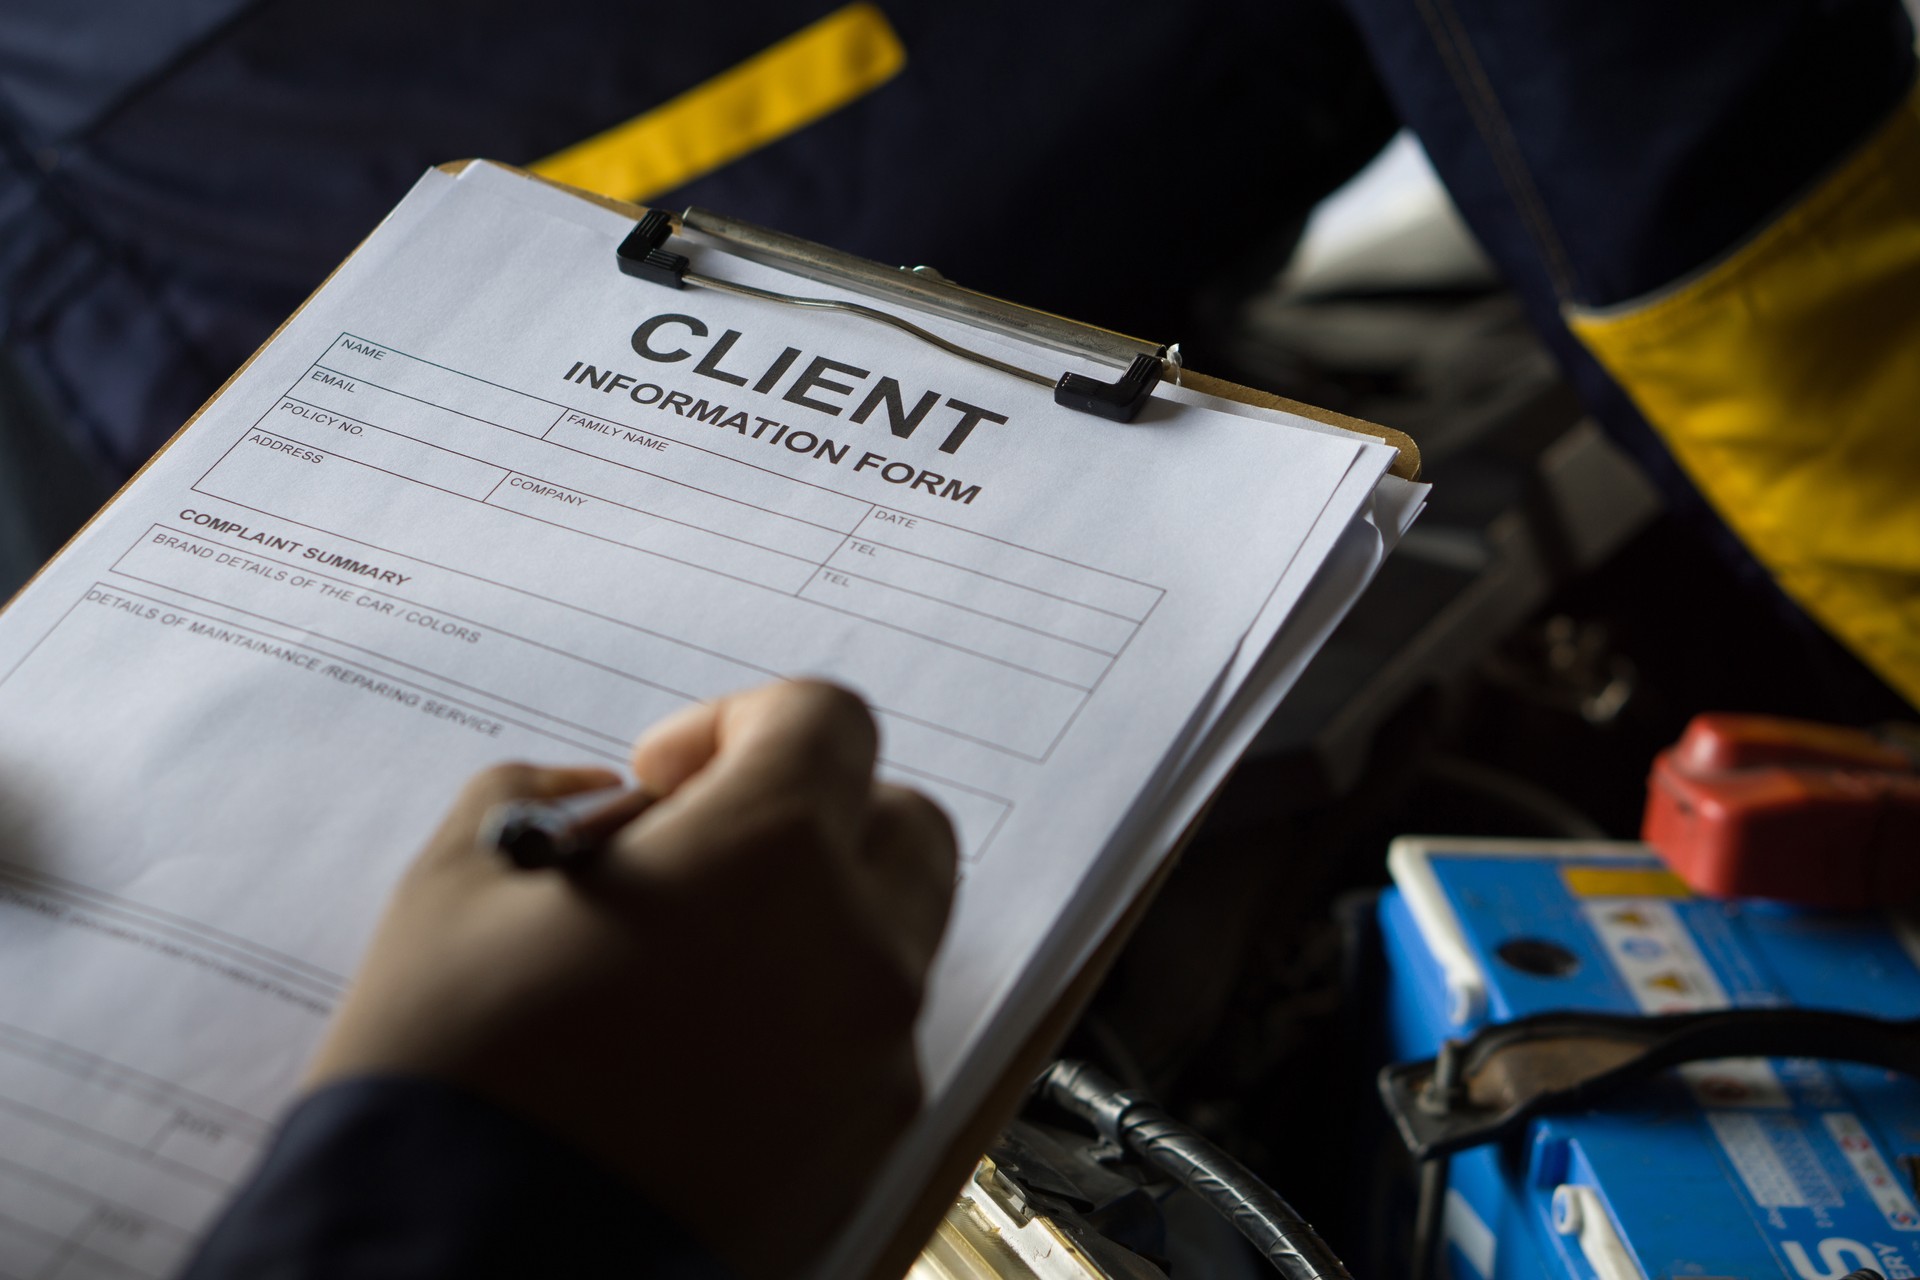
column 1037, row 611
column 384, row 450
column 355, row 371
column 689, row 544
column 25, row 1250
column 260, row 456
column 1022, row 648
column 41, row 1208
column 683, row 504
column 1008, row 563
column 702, row 472
column 983, row 700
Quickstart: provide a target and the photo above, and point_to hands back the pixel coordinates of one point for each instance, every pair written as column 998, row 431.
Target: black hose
column 1283, row 1237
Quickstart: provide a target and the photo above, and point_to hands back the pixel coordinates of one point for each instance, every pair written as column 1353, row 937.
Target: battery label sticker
column 1623, row 882
column 1750, row 1083
column 1654, row 954
column 1875, row 1174
column 1775, row 1160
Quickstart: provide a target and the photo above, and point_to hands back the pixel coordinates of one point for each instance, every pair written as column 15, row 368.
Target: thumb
column 676, row 748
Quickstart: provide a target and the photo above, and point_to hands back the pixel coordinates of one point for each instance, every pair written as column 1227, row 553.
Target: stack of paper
column 479, row 501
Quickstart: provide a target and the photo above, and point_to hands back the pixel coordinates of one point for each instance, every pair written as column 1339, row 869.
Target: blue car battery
column 1798, row 1168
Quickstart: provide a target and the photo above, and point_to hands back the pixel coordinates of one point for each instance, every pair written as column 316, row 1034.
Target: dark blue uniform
column 394, row 1179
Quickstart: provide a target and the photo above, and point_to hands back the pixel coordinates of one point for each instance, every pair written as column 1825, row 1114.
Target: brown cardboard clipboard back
column 1004, row 1099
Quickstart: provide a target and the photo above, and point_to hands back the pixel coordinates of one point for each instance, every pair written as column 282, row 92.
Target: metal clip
column 643, row 254
column 1488, row 1087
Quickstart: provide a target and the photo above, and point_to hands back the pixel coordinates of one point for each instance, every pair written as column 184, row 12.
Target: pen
column 563, row 833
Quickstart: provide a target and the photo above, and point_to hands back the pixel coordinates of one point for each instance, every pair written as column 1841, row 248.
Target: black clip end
column 1119, row 401
column 641, row 255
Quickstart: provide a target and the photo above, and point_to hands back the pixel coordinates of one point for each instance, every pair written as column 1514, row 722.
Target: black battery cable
column 1137, row 1123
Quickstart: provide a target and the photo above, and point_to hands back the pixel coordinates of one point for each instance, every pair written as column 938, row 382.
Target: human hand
column 738, row 973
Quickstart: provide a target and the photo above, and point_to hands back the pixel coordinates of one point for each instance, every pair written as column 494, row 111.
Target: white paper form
column 417, row 536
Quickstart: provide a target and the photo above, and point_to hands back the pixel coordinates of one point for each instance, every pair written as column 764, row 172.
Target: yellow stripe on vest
column 810, row 74
column 1786, row 380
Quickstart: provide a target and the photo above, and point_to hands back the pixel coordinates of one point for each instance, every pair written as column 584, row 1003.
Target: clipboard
column 647, row 254
column 1141, row 366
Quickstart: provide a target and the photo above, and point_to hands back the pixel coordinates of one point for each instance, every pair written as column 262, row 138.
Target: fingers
column 909, row 860
column 801, row 748
column 780, row 776
column 802, row 724
column 500, row 784
column 676, row 748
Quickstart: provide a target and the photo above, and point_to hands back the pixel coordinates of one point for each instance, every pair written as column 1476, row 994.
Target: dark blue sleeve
column 385, row 1179
column 1606, row 151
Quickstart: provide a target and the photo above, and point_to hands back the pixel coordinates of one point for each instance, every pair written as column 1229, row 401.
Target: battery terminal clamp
column 1491, row 1085
column 1762, row 807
